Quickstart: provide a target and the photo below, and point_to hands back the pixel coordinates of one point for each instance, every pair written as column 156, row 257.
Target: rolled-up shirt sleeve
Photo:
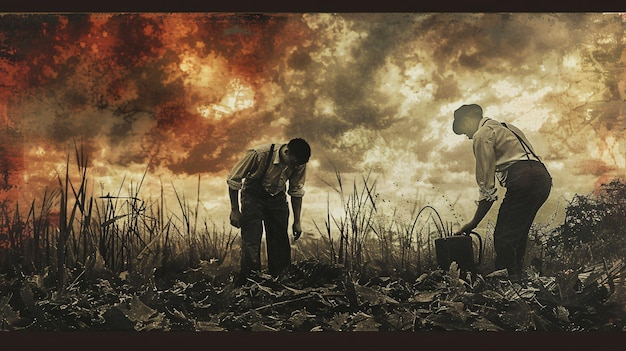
column 484, row 153
column 296, row 181
column 241, row 170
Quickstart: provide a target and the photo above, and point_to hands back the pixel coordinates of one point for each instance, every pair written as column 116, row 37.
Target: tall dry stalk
column 386, row 236
column 40, row 226
column 217, row 244
column 189, row 220
column 425, row 237
column 397, row 243
column 353, row 225
column 405, row 243
column 68, row 210
column 327, row 234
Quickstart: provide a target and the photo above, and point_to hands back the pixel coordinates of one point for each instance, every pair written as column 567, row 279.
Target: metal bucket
column 459, row 248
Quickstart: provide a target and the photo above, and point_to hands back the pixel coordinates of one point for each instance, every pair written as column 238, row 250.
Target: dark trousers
column 261, row 210
column 528, row 185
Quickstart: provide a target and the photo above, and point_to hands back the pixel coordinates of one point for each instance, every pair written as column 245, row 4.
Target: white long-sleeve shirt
column 496, row 148
column 253, row 163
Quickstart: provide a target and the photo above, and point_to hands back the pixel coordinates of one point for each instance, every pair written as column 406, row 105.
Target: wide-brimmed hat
column 461, row 113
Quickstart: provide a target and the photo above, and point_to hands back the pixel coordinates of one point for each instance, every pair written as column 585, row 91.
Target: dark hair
column 300, row 149
column 471, row 110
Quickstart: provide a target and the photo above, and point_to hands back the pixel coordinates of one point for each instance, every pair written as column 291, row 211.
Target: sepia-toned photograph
column 313, row 172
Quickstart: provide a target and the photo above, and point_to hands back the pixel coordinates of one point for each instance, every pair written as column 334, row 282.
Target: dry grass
column 71, row 230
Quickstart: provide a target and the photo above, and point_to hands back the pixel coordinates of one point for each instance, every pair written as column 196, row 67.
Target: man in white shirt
column 502, row 151
column 262, row 175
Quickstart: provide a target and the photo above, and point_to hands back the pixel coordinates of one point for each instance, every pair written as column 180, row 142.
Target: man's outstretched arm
column 481, row 211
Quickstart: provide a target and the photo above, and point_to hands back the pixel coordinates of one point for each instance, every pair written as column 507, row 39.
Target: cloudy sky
column 179, row 97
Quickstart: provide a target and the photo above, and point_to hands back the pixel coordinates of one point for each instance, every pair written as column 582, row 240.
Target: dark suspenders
column 255, row 185
column 269, row 160
column 525, row 146
column 267, row 164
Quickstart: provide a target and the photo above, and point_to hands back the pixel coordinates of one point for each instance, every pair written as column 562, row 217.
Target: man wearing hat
column 502, row 151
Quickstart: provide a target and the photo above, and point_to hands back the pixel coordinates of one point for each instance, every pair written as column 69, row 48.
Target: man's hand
column 481, row 210
column 466, row 229
column 235, row 218
column 297, row 230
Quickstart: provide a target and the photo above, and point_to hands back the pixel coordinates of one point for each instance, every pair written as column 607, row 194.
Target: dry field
column 75, row 261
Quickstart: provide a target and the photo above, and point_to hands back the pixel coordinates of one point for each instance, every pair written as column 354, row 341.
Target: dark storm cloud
column 367, row 90
column 495, row 43
column 348, row 82
column 97, row 78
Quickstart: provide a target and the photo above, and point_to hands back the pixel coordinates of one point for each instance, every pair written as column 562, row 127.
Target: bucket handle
column 480, row 245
